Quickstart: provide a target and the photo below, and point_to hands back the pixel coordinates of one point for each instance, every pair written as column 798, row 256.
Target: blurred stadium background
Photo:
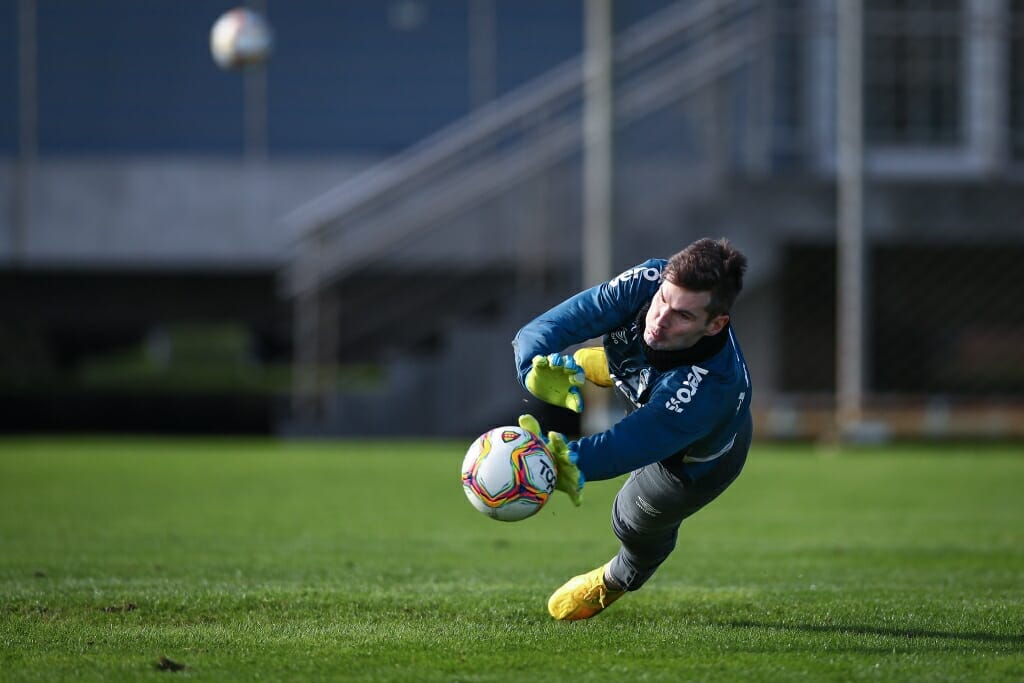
column 408, row 181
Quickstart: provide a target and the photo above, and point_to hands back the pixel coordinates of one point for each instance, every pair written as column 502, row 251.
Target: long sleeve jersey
column 687, row 406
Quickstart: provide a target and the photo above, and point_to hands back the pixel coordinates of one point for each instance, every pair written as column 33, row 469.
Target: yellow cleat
column 583, row 596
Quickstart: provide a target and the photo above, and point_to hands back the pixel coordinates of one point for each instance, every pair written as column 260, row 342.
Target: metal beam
column 850, row 283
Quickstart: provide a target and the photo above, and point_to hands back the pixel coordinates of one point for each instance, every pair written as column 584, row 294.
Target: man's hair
column 713, row 266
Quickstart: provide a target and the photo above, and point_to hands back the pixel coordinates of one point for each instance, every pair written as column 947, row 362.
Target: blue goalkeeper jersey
column 685, row 407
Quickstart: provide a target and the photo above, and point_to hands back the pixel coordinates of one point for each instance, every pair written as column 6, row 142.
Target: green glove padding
column 556, row 379
column 570, row 479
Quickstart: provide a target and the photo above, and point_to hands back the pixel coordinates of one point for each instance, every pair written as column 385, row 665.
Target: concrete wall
column 144, row 212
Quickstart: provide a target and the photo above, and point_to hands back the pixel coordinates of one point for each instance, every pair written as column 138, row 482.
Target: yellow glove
column 570, row 479
column 595, row 365
column 556, row 379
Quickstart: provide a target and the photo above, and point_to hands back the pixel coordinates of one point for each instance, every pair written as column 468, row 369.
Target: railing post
column 850, row 283
column 598, row 180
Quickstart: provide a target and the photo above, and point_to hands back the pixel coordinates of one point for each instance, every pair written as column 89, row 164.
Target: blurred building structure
column 401, row 188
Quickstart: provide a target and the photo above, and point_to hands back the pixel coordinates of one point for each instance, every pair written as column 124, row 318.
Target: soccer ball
column 508, row 474
column 240, row 37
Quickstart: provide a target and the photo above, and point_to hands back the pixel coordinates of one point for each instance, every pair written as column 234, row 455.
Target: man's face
column 678, row 318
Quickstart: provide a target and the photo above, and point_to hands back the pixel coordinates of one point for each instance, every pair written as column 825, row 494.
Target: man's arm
column 589, row 314
column 648, row 435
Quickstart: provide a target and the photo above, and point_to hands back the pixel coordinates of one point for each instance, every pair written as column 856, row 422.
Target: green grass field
column 246, row 560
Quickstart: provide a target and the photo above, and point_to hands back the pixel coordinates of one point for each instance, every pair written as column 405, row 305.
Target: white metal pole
column 986, row 102
column 597, row 143
column 850, row 283
column 597, row 169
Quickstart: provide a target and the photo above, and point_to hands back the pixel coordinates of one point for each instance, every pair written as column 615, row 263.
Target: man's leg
column 651, row 505
column 645, row 517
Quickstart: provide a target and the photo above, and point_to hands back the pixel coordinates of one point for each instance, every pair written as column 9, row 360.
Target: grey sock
column 611, row 584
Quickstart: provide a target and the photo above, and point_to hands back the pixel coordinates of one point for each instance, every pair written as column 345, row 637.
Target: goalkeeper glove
column 570, row 479
column 556, row 379
column 594, row 363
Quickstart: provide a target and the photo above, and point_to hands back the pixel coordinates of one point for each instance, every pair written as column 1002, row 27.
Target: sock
column 612, row 585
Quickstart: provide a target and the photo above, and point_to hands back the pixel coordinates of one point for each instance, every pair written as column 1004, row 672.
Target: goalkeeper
column 672, row 356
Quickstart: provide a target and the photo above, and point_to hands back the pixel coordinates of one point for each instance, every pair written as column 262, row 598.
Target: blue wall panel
column 8, row 77
column 122, row 76
column 352, row 75
column 534, row 36
column 130, row 77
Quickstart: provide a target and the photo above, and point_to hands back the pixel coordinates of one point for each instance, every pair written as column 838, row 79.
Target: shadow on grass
column 1015, row 640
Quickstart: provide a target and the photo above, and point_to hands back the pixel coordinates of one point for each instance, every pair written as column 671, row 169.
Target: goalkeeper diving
column 671, row 355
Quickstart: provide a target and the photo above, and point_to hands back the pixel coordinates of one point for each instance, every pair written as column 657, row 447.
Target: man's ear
column 717, row 324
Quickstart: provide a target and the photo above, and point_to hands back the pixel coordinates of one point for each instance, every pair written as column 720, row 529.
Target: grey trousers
column 654, row 501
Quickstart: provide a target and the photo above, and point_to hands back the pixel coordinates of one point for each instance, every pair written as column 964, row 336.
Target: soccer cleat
column 583, row 596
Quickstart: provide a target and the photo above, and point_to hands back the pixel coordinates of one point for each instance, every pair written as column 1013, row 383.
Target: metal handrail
column 486, row 178
column 554, row 89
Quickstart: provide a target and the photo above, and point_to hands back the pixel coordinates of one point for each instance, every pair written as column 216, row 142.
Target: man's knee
column 641, row 529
